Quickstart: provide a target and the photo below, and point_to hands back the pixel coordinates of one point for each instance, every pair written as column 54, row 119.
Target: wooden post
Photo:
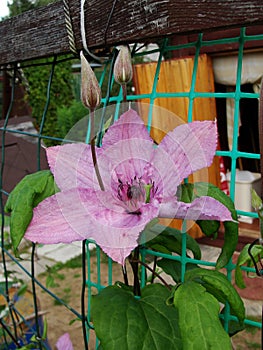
column 43, row 32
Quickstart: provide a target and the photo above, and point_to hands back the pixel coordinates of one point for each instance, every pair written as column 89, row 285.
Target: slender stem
column 9, row 333
column 35, row 295
column 93, row 150
column 83, row 312
column 4, row 334
column 16, row 316
column 134, row 259
column 155, row 274
column 124, row 92
column 125, row 276
column 258, row 271
column 154, row 268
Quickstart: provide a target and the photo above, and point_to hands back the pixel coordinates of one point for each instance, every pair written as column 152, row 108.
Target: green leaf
column 173, row 268
column 22, row 289
column 244, row 258
column 168, row 239
column 2, row 307
column 50, row 282
column 27, row 194
column 185, row 193
column 219, row 286
column 199, row 318
column 230, row 243
column 230, row 227
column 209, row 227
column 28, row 346
column 74, row 320
column 124, row 322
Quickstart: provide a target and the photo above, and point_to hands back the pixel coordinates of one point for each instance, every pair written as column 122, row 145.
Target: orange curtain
column 176, row 76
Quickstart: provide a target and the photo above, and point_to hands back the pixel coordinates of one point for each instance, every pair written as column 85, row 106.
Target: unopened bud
column 90, row 89
column 123, row 66
column 256, row 201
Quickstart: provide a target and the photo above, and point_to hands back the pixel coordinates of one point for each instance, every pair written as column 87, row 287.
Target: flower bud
column 256, row 201
column 90, row 89
column 123, row 66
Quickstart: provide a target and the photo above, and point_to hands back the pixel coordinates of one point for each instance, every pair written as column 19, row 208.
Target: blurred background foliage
column 65, row 107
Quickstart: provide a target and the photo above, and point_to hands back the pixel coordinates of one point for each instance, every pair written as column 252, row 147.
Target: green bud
column 90, row 89
column 256, row 200
column 123, row 66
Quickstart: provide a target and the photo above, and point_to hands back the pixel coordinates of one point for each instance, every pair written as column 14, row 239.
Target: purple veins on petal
column 64, row 343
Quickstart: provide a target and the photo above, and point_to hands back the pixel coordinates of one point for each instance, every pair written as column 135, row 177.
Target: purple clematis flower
column 64, row 343
column 140, row 183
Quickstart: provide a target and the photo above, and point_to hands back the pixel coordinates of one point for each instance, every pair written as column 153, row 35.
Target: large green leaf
column 245, row 258
column 199, row 318
column 123, row 322
column 230, row 243
column 188, row 192
column 169, row 240
column 217, row 284
column 27, row 194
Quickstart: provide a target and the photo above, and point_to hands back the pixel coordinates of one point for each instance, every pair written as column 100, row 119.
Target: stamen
column 129, row 192
column 134, row 193
column 148, row 192
column 137, row 212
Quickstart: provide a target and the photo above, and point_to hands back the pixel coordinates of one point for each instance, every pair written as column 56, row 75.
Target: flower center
column 134, row 194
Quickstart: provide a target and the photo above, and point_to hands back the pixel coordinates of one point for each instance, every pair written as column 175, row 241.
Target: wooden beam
column 42, row 32
column 36, row 33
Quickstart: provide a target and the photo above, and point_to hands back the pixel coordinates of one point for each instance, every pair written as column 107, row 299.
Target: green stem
column 155, row 274
column 125, row 275
column 134, row 260
column 124, row 92
column 93, row 150
column 83, row 313
column 38, row 335
column 154, row 269
column 6, row 329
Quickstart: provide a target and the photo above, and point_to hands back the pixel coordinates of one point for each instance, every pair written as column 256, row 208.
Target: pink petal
column 191, row 146
column 80, row 214
column 203, row 208
column 114, row 229
column 129, row 125
column 64, row 342
column 52, row 220
column 72, row 166
column 166, row 173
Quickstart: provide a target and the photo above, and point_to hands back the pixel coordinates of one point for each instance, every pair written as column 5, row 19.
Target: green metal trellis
column 233, row 154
